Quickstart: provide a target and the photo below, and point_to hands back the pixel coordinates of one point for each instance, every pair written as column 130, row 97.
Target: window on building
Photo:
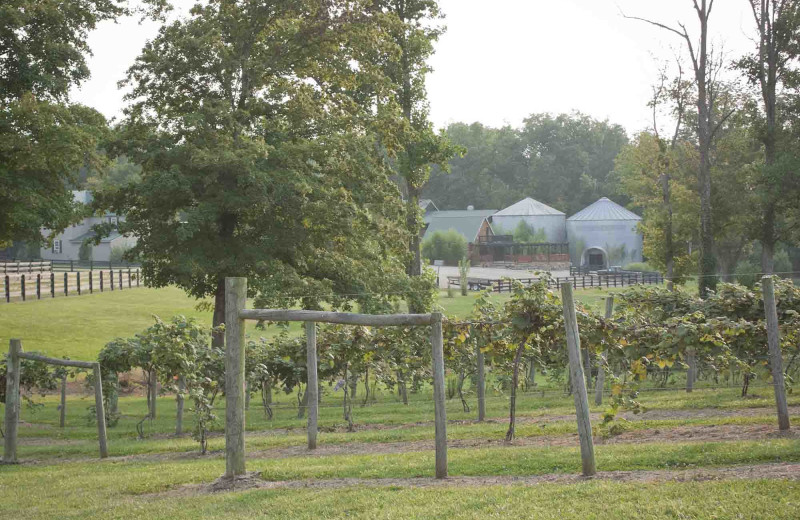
column 113, row 220
column 57, row 247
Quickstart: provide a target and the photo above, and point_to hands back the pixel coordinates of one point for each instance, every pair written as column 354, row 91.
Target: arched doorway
column 595, row 258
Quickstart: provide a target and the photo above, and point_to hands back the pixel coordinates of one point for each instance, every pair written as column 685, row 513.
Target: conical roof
column 527, row 207
column 604, row 209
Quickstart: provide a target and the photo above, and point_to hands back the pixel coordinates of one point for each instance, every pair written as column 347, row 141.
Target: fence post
column 579, row 389
column 119, row 277
column 22, row 285
column 12, row 402
column 775, row 357
column 312, row 386
column 78, row 281
column 111, row 278
column 138, row 276
column 38, row 286
column 101, row 411
column 437, row 344
column 63, row 408
column 129, row 278
column 8, row 289
column 601, row 370
column 481, row 384
column 52, row 284
column 66, row 284
column 91, row 281
column 101, row 280
column 235, row 299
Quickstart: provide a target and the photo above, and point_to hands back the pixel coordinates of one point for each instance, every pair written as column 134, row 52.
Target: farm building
column 472, row 224
column 539, row 217
column 604, row 234
column 67, row 245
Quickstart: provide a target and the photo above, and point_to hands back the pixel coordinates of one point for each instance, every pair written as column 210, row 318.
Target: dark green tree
column 262, row 154
column 44, row 139
column 414, row 27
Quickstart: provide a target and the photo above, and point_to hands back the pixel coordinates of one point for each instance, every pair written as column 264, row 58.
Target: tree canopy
column 263, row 132
column 562, row 160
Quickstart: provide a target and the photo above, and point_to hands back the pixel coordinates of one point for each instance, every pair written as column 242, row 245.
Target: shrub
column 449, row 246
column 640, row 267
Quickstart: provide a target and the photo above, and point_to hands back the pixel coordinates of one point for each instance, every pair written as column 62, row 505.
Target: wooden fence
column 577, row 282
column 40, row 266
column 35, row 286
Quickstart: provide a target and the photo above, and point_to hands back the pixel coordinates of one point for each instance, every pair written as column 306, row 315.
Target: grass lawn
column 114, row 489
column 78, row 327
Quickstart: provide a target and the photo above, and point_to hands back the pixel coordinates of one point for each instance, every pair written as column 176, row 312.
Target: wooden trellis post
column 579, row 390
column 15, row 353
column 312, row 385
column 235, row 299
column 236, row 313
column 775, row 356
column 437, row 344
column 12, row 402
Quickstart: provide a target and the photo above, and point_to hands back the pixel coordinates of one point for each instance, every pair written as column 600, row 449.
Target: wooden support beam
column 56, row 361
column 579, row 389
column 775, row 356
column 312, row 386
column 343, row 318
column 235, row 299
column 12, row 402
column 437, row 344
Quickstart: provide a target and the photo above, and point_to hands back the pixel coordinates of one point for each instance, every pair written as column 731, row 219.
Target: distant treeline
column 562, row 160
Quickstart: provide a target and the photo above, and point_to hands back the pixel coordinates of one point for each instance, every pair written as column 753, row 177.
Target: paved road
column 489, row 272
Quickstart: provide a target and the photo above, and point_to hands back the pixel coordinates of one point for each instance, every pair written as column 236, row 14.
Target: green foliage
column 450, row 246
column 524, row 233
column 85, row 252
column 463, row 272
column 563, row 160
column 639, row 267
column 273, row 167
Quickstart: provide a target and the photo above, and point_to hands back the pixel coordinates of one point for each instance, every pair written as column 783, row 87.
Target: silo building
column 603, row 235
column 538, row 216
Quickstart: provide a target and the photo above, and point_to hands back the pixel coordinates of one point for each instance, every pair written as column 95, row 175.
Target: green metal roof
column 466, row 222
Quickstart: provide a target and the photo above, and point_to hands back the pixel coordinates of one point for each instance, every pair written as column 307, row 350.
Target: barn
column 604, row 234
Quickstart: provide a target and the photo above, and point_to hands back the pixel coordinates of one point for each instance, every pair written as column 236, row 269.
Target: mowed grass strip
column 48, row 491
column 731, row 500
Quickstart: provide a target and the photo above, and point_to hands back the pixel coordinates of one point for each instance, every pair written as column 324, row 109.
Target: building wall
column 618, row 239
column 554, row 225
column 71, row 250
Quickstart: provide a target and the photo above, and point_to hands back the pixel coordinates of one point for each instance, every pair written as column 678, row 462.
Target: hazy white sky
column 502, row 60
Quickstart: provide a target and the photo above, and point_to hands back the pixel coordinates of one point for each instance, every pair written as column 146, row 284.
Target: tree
column 659, row 179
column 44, row 139
column 769, row 68
column 414, row 29
column 705, row 67
column 262, row 154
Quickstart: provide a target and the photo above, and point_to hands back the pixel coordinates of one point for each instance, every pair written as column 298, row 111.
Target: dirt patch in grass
column 710, row 433
column 783, row 471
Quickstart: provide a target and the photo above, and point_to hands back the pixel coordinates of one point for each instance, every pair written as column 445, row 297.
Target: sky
column 502, row 60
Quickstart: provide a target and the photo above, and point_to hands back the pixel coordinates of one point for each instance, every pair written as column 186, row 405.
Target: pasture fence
column 35, row 286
